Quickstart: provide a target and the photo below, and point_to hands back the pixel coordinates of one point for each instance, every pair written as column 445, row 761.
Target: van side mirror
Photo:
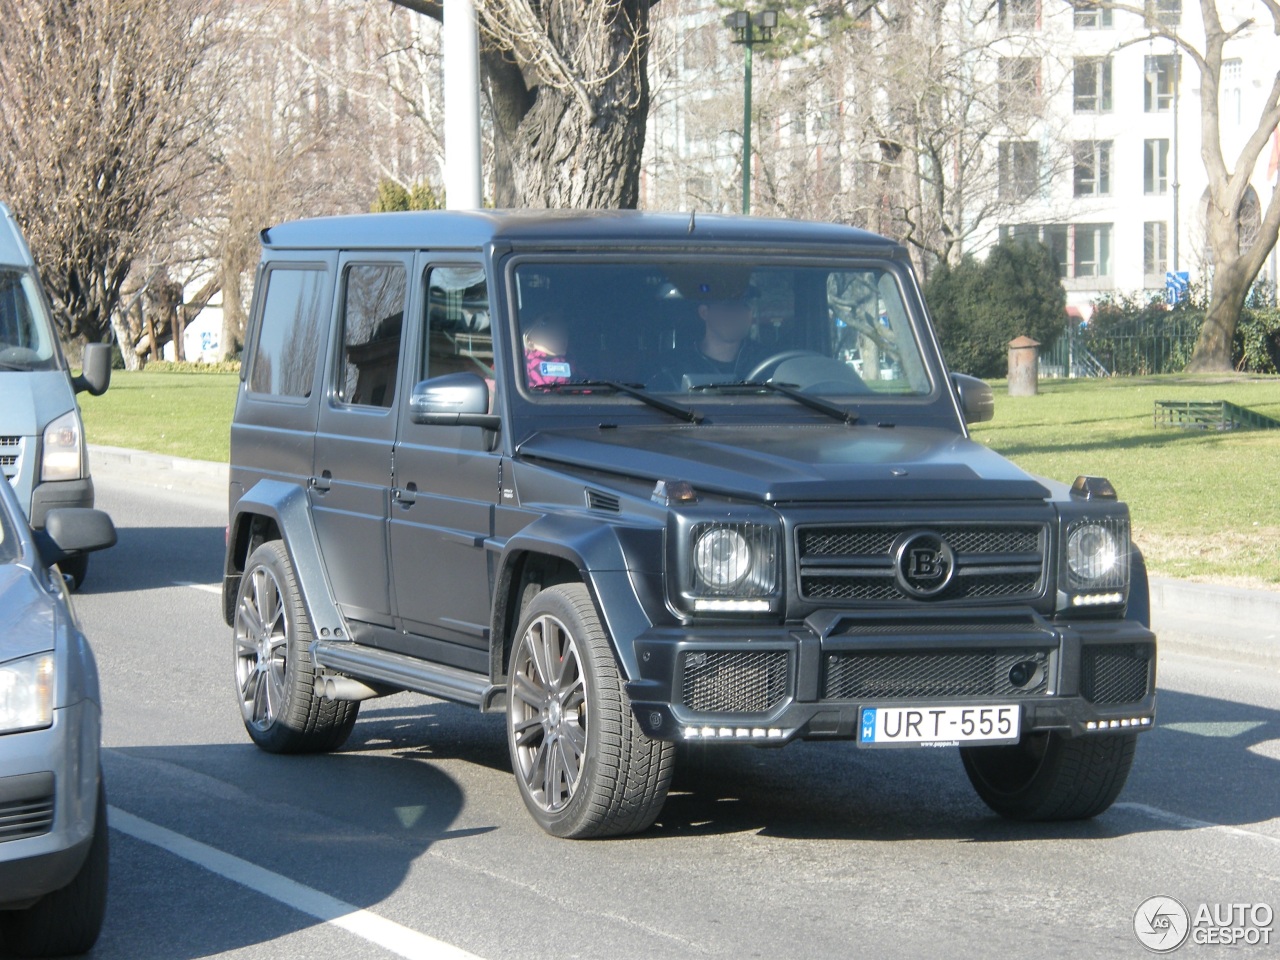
column 456, row 399
column 95, row 375
column 977, row 402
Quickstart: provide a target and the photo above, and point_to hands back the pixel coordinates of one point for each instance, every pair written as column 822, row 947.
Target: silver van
column 42, row 448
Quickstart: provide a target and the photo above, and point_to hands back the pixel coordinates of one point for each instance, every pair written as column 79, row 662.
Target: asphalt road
column 413, row 841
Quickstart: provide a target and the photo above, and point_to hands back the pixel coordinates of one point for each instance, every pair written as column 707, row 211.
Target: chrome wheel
column 548, row 713
column 261, row 648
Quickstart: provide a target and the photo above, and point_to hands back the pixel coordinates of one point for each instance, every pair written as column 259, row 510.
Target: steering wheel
column 769, row 365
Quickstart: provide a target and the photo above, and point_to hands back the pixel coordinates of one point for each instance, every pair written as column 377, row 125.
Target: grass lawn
column 1206, row 505
column 180, row 414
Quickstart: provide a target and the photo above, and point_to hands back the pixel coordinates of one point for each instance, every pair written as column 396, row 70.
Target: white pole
column 461, row 106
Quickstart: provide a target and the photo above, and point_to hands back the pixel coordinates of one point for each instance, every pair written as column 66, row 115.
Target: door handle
column 322, row 483
column 405, row 496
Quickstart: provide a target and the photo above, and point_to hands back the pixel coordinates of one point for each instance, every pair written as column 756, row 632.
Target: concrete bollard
column 1024, row 363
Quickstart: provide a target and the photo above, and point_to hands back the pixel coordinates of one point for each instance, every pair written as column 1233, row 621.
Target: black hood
column 780, row 464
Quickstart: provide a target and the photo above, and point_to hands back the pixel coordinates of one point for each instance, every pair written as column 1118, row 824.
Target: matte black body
column 417, row 532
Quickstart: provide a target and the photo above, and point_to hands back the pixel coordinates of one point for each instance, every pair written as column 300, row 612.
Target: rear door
column 351, row 479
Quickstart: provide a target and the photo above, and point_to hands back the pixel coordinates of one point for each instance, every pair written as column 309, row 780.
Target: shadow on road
column 148, row 558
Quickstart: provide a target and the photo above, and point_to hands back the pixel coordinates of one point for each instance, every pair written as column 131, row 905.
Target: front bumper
column 775, row 684
column 48, row 803
column 53, row 494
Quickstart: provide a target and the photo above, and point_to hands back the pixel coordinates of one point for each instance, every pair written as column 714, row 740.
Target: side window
column 372, row 318
column 289, row 334
column 458, row 331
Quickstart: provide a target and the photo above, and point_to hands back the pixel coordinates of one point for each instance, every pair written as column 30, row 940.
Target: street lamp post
column 748, row 30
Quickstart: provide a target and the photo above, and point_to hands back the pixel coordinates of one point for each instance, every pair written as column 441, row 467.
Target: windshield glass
column 707, row 326
column 26, row 341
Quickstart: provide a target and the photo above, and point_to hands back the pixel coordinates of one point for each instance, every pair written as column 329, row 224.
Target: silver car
column 53, row 822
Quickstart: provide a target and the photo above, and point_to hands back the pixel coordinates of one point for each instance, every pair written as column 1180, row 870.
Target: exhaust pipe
column 345, row 688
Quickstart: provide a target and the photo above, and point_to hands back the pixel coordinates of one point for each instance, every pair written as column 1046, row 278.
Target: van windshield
column 26, row 337
column 712, row 326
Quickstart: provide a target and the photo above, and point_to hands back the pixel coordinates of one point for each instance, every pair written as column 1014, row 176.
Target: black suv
column 641, row 480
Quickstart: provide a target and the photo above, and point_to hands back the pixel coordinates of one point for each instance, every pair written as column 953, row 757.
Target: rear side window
column 372, row 319
column 284, row 361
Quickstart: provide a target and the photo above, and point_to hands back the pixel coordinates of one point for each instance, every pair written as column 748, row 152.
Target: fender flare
column 605, row 556
column 286, row 505
column 1138, row 607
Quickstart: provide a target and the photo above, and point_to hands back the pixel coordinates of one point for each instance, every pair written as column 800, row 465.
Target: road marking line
column 1191, row 823
column 368, row 926
column 203, row 587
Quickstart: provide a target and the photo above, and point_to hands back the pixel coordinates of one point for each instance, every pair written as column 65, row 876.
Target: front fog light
column 721, row 558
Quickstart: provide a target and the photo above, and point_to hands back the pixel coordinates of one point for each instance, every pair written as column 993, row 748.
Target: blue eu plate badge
column 869, row 725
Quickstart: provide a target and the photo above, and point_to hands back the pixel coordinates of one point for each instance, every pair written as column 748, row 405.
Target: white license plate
column 938, row 726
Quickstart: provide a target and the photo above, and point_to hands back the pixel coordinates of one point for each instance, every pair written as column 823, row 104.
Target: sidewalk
column 1202, row 618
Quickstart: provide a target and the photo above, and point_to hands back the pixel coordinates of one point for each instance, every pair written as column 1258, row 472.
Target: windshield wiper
column 631, row 390
column 835, row 411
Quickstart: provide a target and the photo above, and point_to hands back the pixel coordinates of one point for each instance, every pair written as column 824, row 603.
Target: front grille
column 10, row 453
column 1115, row 674
column 856, row 563
column 733, row 681
column 22, row 819
column 950, row 676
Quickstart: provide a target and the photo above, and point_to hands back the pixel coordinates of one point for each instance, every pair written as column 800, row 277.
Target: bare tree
column 568, row 89
column 1236, row 249
column 99, row 119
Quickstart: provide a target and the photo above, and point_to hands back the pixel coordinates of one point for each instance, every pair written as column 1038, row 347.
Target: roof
column 13, row 249
column 558, row 228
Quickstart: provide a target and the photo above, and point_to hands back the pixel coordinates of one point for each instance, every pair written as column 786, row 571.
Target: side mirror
column 96, row 373
column 977, row 402
column 456, row 399
column 69, row 531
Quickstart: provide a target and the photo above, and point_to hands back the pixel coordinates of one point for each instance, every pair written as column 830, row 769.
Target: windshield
column 716, row 326
column 8, row 538
column 26, row 341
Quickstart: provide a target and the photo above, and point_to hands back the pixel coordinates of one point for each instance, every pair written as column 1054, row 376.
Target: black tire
column 77, row 568
column 275, row 676
column 66, row 922
column 622, row 776
column 1051, row 777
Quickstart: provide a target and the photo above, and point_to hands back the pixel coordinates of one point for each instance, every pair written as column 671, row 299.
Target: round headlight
column 722, row 558
column 1092, row 553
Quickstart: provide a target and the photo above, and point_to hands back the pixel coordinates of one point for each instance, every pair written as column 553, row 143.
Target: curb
column 158, row 470
column 1190, row 617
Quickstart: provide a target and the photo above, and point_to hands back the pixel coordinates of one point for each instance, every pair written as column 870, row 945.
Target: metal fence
column 1128, row 348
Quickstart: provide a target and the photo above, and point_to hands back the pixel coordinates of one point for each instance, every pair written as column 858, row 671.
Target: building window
column 1055, row 236
column 1157, row 83
column 1165, row 12
column 1019, row 83
column 1155, row 167
column 1019, row 170
column 1155, row 241
column 1019, row 14
column 1092, row 83
column 1092, row 168
column 1091, row 249
column 1089, row 16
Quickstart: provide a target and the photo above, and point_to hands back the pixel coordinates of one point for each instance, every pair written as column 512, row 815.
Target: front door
column 351, row 479
column 446, row 485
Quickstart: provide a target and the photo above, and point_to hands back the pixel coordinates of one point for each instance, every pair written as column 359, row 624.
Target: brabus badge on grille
column 923, row 564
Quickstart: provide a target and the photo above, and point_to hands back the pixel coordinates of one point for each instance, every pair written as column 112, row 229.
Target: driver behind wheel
column 726, row 350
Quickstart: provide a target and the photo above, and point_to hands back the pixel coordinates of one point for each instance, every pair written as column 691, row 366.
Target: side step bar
column 395, row 670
